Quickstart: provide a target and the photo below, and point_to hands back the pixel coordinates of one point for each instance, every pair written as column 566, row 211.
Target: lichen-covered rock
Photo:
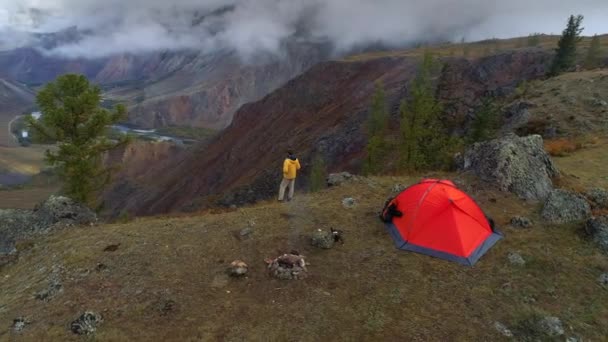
column 86, row 324
column 516, row 164
column 336, row 179
column 521, row 222
column 55, row 212
column 503, row 330
column 551, row 326
column 564, row 206
column 597, row 229
column 598, row 198
column 323, row 239
column 603, row 279
column 516, row 259
column 349, row 203
column 65, row 210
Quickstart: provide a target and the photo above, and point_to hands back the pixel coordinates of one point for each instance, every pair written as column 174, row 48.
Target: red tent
column 436, row 218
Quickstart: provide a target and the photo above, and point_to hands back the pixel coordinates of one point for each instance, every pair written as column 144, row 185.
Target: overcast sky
column 251, row 26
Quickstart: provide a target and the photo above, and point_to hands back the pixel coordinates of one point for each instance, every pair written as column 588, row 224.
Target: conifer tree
column 72, row 116
column 565, row 57
column 318, row 173
column 377, row 130
column 594, row 54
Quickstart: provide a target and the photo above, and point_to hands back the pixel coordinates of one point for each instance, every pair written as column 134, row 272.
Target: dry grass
column 475, row 49
column 363, row 290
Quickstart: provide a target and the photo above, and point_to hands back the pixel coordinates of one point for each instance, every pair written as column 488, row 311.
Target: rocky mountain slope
column 323, row 111
column 14, row 97
column 192, row 88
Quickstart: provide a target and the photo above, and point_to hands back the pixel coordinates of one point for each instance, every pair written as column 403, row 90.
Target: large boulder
column 597, row 229
column 54, row 213
column 337, row 179
column 516, row 164
column 564, row 206
column 598, row 198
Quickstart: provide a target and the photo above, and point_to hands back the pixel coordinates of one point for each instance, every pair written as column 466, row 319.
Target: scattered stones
column 86, row 324
column 20, row 323
column 597, row 229
column 564, row 206
column 603, row 279
column 323, row 239
column 238, row 268
column 598, row 198
column 288, row 267
column 599, row 102
column 337, row 179
column 53, row 289
column 551, row 326
column 516, row 164
column 521, row 222
column 349, row 203
column 516, row 259
column 503, row 330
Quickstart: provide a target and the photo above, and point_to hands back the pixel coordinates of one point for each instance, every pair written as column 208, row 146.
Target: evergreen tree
column 424, row 139
column 318, row 173
column 485, row 124
column 377, row 130
column 594, row 54
column 565, row 57
column 72, row 116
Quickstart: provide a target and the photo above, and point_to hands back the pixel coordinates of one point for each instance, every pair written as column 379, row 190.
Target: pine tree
column 594, row 54
column 377, row 130
column 72, row 116
column 485, row 124
column 318, row 173
column 565, row 57
column 423, row 137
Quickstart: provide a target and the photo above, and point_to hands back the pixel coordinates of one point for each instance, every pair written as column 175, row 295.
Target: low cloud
column 252, row 26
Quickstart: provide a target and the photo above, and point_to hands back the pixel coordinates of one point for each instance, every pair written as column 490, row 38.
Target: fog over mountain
column 251, row 26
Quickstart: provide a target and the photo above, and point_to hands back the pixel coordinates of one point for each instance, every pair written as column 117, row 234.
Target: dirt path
column 7, row 138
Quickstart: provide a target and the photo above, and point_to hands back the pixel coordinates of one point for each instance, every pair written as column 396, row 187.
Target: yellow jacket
column 290, row 168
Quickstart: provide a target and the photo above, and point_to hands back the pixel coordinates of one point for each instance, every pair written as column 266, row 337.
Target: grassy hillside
column 167, row 280
column 483, row 48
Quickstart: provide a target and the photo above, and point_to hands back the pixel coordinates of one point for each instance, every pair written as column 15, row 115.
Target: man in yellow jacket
column 291, row 165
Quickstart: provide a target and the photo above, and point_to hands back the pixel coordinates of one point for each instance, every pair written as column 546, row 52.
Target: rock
column 564, row 206
column 516, row 116
column 56, row 212
column 503, row 330
column 337, row 179
column 323, row 239
column 516, row 259
column 349, row 203
column 598, row 198
column 65, row 210
column 288, row 267
column 599, row 102
column 551, row 326
column 573, row 339
column 238, row 268
column 86, row 324
column 603, row 279
column 597, row 229
column 19, row 324
column 521, row 222
column 54, row 288
column 398, row 188
column 246, row 233
column 516, row 164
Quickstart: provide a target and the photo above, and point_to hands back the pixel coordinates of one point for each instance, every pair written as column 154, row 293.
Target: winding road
column 10, row 129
